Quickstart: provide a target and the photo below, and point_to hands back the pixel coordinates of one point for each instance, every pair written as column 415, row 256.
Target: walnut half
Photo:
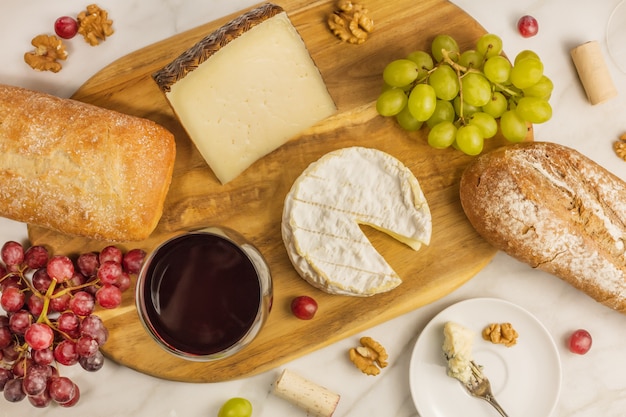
column 94, row 24
column 350, row 22
column 370, row 357
column 48, row 50
column 503, row 334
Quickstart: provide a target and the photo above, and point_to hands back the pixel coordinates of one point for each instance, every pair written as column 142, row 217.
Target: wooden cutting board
column 252, row 203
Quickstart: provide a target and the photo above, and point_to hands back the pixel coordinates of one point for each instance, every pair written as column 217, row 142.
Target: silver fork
column 480, row 387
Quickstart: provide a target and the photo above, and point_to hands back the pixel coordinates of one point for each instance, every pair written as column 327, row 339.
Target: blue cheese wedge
column 245, row 90
column 327, row 203
column 457, row 348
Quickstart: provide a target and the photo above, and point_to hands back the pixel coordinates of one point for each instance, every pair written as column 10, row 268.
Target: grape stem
column 461, row 71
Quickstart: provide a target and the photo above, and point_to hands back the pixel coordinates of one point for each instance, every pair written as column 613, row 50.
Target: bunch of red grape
column 49, row 303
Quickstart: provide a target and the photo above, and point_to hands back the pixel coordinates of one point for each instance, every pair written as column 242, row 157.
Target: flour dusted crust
column 80, row 169
column 555, row 209
column 329, row 200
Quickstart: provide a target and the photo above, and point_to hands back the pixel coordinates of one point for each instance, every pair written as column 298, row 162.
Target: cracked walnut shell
column 94, row 24
column 498, row 333
column 370, row 357
column 48, row 50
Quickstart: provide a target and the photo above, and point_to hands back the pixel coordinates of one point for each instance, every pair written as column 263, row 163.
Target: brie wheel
column 457, row 348
column 328, row 202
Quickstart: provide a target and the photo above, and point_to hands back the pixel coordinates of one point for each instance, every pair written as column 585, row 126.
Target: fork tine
column 476, row 371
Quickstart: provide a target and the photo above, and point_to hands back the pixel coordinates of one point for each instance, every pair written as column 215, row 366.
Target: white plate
column 525, row 378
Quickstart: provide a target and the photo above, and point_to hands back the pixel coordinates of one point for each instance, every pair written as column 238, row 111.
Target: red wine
column 202, row 293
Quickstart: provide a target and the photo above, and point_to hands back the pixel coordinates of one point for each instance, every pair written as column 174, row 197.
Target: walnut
column 370, row 357
column 350, row 22
column 620, row 147
column 500, row 333
column 94, row 24
column 48, row 50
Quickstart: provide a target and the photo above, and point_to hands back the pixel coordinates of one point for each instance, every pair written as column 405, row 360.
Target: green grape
column 543, row 88
column 513, row 126
column 236, row 407
column 468, row 109
column 469, row 139
column 471, row 59
column 407, row 121
column 489, row 45
column 424, row 62
column 525, row 54
column 400, row 72
column 422, row 102
column 496, row 106
column 534, row 109
column 442, row 135
column 391, row 102
column 444, row 112
column 476, row 89
column 526, row 73
column 497, row 69
column 445, row 82
column 444, row 42
column 485, row 122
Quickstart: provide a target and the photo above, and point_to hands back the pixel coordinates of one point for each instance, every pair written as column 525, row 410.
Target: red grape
column 66, row 27
column 61, row 389
column 12, row 254
column 109, row 272
column 19, row 321
column 88, row 263
column 109, row 296
column 65, row 353
column 82, row 303
column 111, row 253
column 69, row 323
column 60, row 268
column 133, row 260
column 527, row 26
column 86, row 346
column 36, row 257
column 92, row 363
column 580, row 342
column 41, row 280
column 39, row 336
column 304, row 307
column 13, row 391
column 12, row 299
column 92, row 326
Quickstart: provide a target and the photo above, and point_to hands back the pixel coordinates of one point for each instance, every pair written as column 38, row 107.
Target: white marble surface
column 593, row 385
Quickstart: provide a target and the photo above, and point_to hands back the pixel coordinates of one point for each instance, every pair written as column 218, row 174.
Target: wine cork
column 593, row 72
column 315, row 399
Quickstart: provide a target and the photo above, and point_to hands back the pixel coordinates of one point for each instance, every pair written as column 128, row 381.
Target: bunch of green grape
column 461, row 96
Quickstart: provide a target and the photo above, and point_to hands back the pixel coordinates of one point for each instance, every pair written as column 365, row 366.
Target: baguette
column 80, row 169
column 554, row 209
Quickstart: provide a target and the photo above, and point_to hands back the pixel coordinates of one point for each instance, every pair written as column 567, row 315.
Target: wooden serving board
column 252, row 203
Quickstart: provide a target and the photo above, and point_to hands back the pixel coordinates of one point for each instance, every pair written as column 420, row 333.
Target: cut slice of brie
column 245, row 90
column 328, row 202
column 457, row 348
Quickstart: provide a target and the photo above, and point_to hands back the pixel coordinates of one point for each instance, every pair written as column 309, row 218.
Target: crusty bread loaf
column 555, row 209
column 80, row 169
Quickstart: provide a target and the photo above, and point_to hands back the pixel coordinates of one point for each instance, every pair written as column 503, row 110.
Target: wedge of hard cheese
column 328, row 202
column 245, row 90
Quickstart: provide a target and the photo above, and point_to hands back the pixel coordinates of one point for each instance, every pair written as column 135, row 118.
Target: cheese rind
column 457, row 348
column 256, row 88
column 328, row 202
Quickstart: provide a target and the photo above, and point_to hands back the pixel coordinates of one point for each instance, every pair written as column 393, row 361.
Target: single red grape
column 66, row 27
column 580, row 342
column 12, row 254
column 111, row 253
column 304, row 307
column 527, row 26
column 133, row 260
column 39, row 336
column 109, row 296
column 36, row 257
column 60, row 268
column 12, row 299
